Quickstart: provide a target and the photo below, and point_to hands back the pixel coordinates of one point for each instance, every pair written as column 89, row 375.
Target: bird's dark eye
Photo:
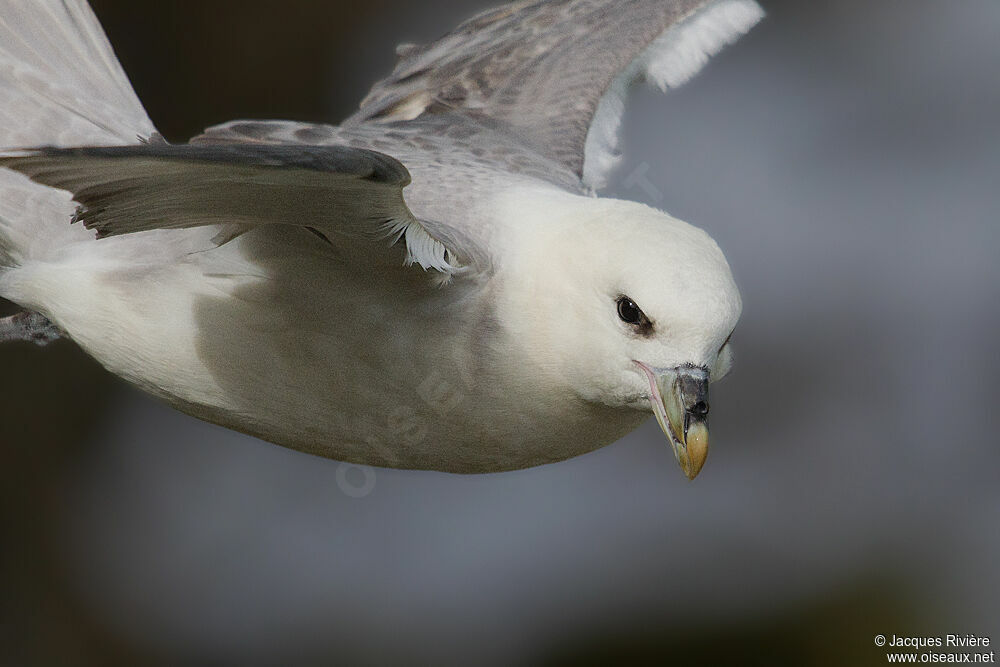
column 629, row 312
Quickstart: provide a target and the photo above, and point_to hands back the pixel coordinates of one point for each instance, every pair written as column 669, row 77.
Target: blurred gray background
column 845, row 155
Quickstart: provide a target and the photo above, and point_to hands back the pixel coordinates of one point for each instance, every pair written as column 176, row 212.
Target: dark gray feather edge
column 360, row 163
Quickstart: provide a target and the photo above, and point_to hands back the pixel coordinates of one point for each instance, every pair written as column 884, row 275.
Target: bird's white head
column 625, row 306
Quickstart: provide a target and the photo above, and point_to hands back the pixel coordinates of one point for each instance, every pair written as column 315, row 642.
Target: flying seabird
column 431, row 284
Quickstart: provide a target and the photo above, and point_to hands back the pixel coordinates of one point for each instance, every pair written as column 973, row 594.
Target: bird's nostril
column 700, row 409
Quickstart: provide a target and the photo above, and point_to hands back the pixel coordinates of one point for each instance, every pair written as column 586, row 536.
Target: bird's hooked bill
column 680, row 402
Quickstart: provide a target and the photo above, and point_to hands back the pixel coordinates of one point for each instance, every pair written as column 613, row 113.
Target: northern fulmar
column 431, row 284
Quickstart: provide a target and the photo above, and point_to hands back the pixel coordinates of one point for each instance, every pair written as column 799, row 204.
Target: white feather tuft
column 670, row 61
column 422, row 249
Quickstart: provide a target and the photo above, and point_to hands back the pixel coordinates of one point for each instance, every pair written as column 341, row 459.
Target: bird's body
column 190, row 328
column 263, row 276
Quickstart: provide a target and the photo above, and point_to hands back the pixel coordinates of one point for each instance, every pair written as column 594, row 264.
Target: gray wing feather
column 126, row 189
column 542, row 67
column 347, row 194
column 60, row 82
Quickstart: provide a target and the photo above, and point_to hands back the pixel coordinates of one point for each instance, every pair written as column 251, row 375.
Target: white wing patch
column 670, row 61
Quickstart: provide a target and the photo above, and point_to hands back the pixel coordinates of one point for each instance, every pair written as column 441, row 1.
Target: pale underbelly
column 333, row 372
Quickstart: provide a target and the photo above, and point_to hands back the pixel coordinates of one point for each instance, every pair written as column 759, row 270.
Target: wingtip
column 683, row 50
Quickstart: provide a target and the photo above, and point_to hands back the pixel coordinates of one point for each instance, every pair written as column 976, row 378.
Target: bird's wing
column 458, row 166
column 557, row 70
column 352, row 197
column 60, row 82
